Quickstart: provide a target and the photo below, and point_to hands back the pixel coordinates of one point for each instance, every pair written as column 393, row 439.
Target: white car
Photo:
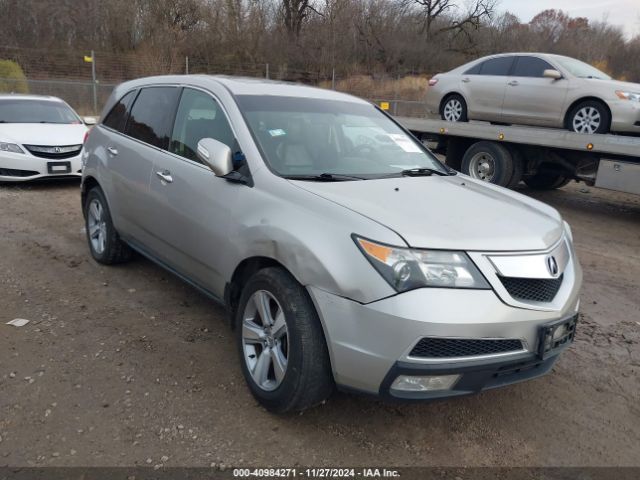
column 40, row 137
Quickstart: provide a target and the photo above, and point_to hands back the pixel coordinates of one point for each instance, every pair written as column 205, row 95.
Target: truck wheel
column 518, row 167
column 489, row 162
column 454, row 109
column 589, row 117
column 105, row 244
column 283, row 351
column 546, row 181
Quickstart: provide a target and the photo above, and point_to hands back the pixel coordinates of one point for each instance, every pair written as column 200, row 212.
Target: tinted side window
column 117, row 117
column 151, row 116
column 530, row 67
column 497, row 66
column 199, row 116
column 475, row 70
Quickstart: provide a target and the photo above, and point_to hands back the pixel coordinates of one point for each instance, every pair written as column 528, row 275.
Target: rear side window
column 199, row 116
column 117, row 117
column 152, row 115
column 500, row 66
column 530, row 67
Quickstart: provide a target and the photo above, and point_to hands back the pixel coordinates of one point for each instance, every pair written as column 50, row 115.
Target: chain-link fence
column 86, row 82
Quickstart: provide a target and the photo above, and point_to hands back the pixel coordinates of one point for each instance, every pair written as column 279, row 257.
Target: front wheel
column 284, row 355
column 589, row 117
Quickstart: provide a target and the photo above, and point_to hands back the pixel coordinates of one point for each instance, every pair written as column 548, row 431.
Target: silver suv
column 346, row 254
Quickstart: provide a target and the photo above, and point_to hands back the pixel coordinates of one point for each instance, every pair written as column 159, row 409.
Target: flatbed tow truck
column 544, row 158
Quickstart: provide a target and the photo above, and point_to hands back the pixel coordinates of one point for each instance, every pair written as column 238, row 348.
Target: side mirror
column 89, row 120
column 216, row 155
column 550, row 73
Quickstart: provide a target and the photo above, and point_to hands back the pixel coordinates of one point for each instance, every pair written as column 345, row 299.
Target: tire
column 589, row 117
column 518, row 167
column 489, row 162
column 546, row 181
column 454, row 109
column 301, row 348
column 105, row 244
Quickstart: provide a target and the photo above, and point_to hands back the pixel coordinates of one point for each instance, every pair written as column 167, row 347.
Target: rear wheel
column 105, row 244
column 589, row 117
column 284, row 355
column 546, row 181
column 454, row 109
column 489, row 162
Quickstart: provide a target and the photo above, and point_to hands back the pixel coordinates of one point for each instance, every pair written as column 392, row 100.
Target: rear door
column 530, row 97
column 484, row 88
column 146, row 135
column 193, row 206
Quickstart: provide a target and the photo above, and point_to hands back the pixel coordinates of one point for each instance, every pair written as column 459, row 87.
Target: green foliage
column 12, row 78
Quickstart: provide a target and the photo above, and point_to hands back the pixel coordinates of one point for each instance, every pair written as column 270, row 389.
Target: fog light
column 409, row 383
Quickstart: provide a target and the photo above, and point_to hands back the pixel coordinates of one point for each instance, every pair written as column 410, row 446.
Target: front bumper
column 370, row 345
column 19, row 167
column 625, row 116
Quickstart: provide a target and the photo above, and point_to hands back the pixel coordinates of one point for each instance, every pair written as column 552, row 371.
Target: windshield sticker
column 404, row 143
column 278, row 132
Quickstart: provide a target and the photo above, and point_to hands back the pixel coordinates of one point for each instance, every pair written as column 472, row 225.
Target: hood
column 454, row 213
column 48, row 134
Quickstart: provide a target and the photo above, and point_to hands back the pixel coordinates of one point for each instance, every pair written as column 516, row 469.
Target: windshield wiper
column 421, row 172
column 324, row 177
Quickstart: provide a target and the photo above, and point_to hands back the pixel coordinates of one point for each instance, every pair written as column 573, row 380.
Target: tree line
column 392, row 37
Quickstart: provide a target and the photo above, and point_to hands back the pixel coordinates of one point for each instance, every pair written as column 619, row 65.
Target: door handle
column 514, row 83
column 165, row 176
column 466, row 80
column 113, row 151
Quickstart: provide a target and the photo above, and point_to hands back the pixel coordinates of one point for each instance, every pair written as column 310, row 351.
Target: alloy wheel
column 453, row 110
column 97, row 226
column 587, row 120
column 265, row 340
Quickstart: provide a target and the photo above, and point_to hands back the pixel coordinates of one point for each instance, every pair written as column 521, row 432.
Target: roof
column 22, row 96
column 248, row 86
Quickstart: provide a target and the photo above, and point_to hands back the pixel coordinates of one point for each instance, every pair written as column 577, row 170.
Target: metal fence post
column 186, row 65
column 333, row 79
column 95, row 82
column 266, row 75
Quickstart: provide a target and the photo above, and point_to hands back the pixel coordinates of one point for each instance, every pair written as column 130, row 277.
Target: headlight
column 408, row 269
column 10, row 147
column 633, row 96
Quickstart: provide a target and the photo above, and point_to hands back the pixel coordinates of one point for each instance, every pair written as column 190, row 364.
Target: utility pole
column 95, row 82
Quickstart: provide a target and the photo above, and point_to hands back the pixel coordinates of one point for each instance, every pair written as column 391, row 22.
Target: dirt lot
column 129, row 366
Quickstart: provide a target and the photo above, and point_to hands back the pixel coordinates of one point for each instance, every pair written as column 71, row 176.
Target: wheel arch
column 587, row 98
column 449, row 95
column 88, row 183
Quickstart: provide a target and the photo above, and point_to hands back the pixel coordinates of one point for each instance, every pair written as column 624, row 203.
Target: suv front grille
column 430, row 347
column 54, row 153
column 532, row 289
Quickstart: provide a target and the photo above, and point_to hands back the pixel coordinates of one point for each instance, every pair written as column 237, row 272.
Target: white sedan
column 40, row 137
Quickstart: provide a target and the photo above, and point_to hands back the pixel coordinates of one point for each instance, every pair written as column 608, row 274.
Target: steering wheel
column 363, row 148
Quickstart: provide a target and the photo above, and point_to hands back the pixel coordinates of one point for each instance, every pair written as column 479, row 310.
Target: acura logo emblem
column 56, row 149
column 552, row 265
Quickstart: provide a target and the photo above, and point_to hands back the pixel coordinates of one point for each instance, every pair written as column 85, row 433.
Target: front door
column 194, row 207
column 531, row 98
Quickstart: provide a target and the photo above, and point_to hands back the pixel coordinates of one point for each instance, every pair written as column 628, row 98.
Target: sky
column 625, row 13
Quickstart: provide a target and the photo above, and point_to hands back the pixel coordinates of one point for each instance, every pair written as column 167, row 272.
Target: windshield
column 302, row 137
column 36, row 111
column 581, row 69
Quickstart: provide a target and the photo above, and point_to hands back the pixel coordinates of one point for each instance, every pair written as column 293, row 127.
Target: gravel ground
column 125, row 366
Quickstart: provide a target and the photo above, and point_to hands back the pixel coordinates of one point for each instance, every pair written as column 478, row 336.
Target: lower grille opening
column 532, row 289
column 10, row 172
column 463, row 347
